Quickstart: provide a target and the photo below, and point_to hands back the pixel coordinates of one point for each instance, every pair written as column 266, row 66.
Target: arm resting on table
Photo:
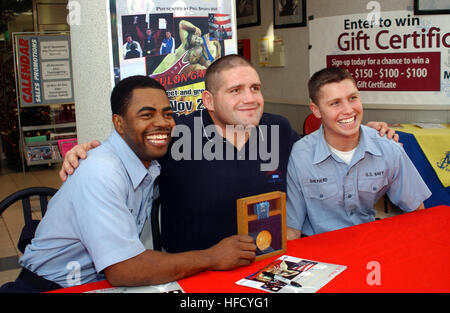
column 155, row 267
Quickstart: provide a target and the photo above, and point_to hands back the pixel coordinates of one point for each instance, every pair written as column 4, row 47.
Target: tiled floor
column 11, row 221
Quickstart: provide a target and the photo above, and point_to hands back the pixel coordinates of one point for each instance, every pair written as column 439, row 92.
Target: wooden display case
column 263, row 217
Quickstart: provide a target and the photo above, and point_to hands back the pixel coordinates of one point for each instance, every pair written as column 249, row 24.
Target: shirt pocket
column 371, row 189
column 322, row 190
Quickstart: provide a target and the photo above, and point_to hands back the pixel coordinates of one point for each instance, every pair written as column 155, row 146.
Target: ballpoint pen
column 282, row 279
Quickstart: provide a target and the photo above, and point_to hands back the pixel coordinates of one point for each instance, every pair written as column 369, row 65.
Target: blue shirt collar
column 322, row 150
column 133, row 165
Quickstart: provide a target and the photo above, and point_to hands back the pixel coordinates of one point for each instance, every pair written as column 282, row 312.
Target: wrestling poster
column 173, row 42
column 396, row 58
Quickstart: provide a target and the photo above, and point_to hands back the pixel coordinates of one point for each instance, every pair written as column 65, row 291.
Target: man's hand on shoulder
column 73, row 155
column 383, row 129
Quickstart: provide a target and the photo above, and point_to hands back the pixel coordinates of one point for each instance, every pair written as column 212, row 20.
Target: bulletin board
column 43, row 68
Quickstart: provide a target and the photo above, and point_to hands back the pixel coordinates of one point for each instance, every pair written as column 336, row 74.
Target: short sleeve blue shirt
column 95, row 219
column 324, row 193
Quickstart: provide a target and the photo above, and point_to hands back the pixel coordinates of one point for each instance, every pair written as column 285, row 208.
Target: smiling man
column 233, row 98
column 92, row 226
column 198, row 212
column 337, row 174
column 229, row 151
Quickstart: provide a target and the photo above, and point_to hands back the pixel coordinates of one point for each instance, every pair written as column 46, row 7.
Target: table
column 440, row 194
column 412, row 249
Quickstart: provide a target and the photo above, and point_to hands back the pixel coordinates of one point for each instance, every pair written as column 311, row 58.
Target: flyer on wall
column 395, row 57
column 173, row 42
column 43, row 69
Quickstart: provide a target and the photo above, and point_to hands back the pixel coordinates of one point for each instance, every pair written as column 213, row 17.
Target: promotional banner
column 173, row 42
column 43, row 69
column 395, row 57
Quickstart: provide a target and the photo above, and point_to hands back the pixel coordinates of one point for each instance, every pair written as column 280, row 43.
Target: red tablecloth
column 413, row 251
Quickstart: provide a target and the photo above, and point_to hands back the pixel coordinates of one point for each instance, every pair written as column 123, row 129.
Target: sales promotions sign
column 395, row 57
column 43, row 69
column 173, row 42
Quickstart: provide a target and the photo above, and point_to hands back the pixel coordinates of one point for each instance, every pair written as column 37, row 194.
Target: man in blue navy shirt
column 337, row 174
column 91, row 230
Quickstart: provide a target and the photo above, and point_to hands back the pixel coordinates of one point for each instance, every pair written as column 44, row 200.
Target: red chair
column 311, row 124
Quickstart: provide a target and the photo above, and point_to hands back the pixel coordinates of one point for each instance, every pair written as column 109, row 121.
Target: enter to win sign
column 411, row 71
column 388, row 55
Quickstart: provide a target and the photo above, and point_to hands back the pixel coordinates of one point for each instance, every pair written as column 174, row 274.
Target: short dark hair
column 224, row 63
column 121, row 94
column 326, row 76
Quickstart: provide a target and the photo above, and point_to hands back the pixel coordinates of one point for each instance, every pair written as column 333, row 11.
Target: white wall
column 91, row 62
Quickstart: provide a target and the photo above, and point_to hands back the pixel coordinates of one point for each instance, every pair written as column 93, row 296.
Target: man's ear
column 315, row 110
column 118, row 123
column 208, row 100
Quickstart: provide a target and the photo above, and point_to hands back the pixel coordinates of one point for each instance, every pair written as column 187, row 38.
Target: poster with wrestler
column 173, row 42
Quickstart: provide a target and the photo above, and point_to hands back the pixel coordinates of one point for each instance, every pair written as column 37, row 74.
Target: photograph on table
column 289, row 274
column 281, row 273
column 263, row 217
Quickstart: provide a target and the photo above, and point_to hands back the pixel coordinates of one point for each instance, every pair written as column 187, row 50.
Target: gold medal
column 263, row 240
